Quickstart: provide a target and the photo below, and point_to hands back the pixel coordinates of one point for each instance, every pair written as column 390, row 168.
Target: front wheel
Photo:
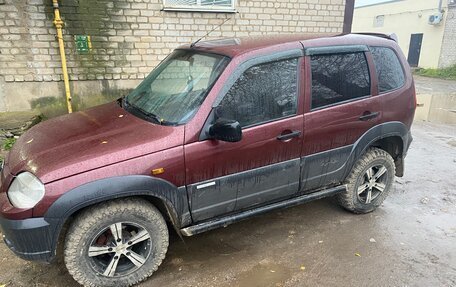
column 117, row 243
column 369, row 182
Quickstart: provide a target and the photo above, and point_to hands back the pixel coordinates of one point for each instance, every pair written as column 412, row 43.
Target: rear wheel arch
column 393, row 137
column 394, row 145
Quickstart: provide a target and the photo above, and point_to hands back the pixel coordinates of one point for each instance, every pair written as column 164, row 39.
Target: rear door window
column 389, row 70
column 262, row 93
column 337, row 78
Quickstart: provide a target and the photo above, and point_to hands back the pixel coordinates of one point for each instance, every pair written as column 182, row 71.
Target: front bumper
column 30, row 239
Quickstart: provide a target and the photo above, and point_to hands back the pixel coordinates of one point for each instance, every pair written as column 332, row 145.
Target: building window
column 379, row 21
column 339, row 78
column 199, row 5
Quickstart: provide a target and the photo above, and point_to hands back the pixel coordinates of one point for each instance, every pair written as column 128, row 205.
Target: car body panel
column 88, row 140
column 231, row 169
column 209, row 160
column 170, row 160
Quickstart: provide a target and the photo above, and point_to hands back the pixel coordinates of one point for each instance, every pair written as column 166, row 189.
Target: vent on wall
column 379, row 21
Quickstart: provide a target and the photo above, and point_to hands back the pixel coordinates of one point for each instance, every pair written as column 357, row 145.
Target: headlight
column 25, row 191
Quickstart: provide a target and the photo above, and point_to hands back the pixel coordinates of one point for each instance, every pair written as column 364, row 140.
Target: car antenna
column 216, row 27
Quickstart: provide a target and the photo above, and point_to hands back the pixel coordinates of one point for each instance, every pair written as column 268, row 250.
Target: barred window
column 199, row 5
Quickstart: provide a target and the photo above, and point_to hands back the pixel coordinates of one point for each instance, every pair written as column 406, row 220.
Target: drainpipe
column 440, row 6
column 348, row 16
column 58, row 25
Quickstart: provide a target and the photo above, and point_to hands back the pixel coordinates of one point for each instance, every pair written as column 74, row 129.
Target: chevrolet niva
column 220, row 131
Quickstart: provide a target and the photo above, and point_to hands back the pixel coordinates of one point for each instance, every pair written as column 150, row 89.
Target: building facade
column 426, row 29
column 112, row 44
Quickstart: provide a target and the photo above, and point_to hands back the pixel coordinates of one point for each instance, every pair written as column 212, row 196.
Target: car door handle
column 289, row 136
column 368, row 116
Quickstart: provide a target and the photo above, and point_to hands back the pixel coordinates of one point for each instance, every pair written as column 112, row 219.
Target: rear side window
column 262, row 93
column 338, row 78
column 389, row 70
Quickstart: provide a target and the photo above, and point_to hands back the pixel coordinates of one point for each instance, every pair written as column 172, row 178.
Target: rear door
column 264, row 166
column 340, row 108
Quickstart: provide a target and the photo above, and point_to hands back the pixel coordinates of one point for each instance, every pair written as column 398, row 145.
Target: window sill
column 199, row 9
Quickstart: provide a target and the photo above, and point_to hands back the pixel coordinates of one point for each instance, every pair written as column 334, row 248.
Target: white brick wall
column 130, row 37
column 448, row 52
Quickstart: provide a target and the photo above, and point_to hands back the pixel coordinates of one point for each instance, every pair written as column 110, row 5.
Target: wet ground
column 409, row 241
column 426, row 85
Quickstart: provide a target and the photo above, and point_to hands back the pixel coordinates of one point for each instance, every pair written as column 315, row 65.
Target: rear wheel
column 369, row 182
column 118, row 243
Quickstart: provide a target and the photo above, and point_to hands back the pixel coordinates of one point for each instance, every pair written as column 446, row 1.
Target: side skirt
column 225, row 221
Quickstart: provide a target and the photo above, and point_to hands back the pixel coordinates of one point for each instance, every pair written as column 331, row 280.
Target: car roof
column 233, row 47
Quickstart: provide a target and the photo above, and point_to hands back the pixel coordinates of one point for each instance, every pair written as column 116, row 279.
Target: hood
column 87, row 140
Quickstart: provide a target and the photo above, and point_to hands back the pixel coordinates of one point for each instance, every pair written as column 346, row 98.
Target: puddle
column 263, row 275
column 452, row 143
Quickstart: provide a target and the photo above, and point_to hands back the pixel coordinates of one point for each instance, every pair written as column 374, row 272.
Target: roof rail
column 391, row 36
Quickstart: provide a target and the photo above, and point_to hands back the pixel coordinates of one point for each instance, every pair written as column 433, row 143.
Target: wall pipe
column 58, row 25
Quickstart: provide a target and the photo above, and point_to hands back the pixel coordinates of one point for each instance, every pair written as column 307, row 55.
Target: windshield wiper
column 147, row 115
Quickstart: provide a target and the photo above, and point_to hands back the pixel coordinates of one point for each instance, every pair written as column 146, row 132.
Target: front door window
column 262, row 94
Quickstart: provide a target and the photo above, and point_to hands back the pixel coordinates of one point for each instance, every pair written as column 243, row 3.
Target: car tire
column 369, row 182
column 117, row 243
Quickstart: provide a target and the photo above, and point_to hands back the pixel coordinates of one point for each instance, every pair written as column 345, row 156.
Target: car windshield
column 174, row 91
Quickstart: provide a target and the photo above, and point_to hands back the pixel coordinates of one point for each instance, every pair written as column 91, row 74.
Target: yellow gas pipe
column 58, row 25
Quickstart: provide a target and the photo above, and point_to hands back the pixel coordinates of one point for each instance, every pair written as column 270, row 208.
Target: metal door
column 415, row 49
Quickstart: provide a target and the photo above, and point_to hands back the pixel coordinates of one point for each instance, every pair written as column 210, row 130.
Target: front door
column 415, row 49
column 340, row 109
column 264, row 166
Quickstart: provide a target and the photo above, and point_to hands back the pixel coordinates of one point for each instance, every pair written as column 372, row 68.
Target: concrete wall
column 48, row 97
column 448, row 54
column 129, row 38
column 405, row 18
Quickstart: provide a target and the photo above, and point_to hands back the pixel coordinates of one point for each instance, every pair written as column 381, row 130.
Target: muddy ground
column 409, row 241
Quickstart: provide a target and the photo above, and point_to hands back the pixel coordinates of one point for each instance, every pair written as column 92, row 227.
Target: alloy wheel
column 120, row 249
column 373, row 184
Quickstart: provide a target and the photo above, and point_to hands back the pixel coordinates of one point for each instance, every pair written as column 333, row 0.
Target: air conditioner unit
column 435, row 19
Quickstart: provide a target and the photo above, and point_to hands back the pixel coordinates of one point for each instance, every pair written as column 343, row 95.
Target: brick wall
column 130, row 37
column 448, row 52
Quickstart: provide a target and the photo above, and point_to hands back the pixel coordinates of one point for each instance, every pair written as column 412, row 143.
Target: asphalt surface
column 409, row 241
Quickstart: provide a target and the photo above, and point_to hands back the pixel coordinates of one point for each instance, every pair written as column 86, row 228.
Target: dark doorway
column 415, row 49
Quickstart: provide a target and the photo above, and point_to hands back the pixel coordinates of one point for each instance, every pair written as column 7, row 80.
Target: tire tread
column 93, row 215
column 345, row 199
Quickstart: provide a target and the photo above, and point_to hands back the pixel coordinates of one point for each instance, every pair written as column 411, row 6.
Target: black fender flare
column 174, row 198
column 378, row 132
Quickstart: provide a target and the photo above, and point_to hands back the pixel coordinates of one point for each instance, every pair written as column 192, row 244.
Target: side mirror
column 226, row 130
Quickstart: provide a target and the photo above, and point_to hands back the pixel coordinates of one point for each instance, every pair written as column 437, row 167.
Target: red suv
column 220, row 131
